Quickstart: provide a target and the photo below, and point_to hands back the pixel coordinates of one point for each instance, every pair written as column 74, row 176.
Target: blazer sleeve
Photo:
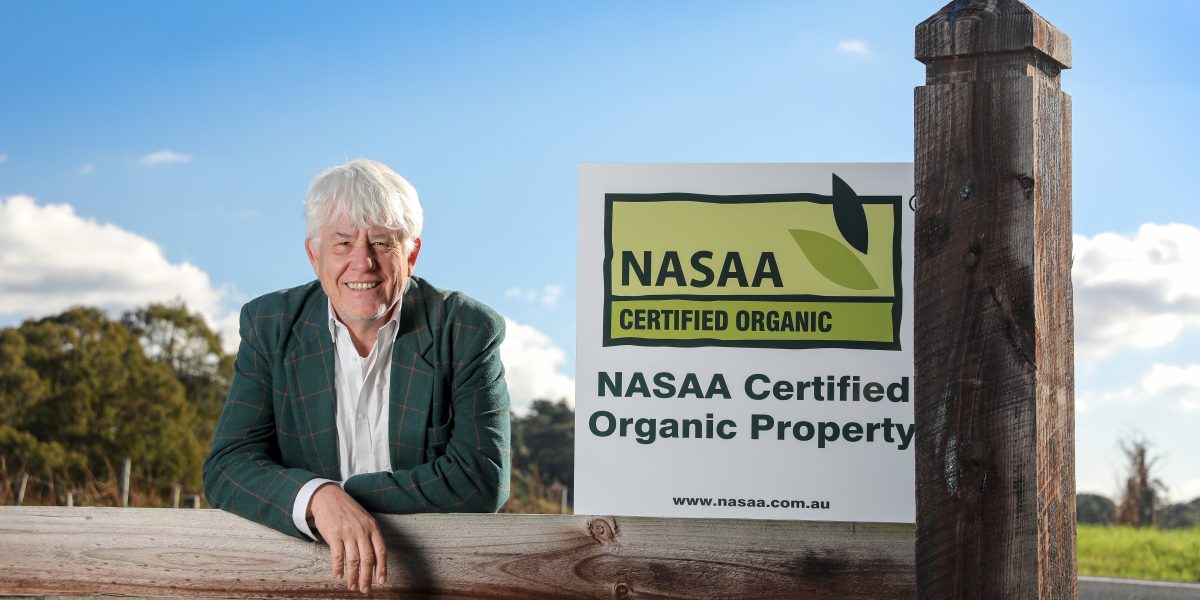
column 473, row 474
column 242, row 473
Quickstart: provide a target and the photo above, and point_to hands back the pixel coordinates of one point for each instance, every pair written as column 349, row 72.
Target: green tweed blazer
column 449, row 412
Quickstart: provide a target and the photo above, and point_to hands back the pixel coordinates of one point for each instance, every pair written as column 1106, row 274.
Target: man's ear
column 310, row 247
column 412, row 256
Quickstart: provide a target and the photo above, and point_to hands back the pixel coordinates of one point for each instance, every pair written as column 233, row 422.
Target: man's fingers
column 380, row 556
column 356, row 546
column 352, row 564
column 336, row 556
column 367, row 567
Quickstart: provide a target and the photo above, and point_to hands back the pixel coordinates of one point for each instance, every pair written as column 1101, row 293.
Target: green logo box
column 758, row 271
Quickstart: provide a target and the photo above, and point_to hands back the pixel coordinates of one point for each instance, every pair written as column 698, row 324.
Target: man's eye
column 380, row 244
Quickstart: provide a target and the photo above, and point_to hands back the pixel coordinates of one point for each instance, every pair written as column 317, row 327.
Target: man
column 367, row 390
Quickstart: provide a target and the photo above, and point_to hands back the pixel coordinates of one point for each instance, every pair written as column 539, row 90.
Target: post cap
column 974, row 27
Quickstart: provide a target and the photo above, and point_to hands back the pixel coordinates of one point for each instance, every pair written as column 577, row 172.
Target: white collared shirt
column 361, row 386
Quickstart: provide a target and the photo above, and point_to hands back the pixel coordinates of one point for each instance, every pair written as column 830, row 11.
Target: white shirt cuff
column 300, row 509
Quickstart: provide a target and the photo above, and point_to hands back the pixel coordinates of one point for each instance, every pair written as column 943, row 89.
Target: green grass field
column 1164, row 555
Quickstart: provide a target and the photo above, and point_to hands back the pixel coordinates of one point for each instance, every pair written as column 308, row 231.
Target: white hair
column 369, row 194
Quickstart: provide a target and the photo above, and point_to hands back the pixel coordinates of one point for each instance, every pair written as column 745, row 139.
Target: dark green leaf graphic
column 833, row 260
column 849, row 216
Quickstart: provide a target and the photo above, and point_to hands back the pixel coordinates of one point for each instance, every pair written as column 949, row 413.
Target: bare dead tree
column 1143, row 493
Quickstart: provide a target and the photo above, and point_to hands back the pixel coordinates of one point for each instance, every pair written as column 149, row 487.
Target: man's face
column 363, row 271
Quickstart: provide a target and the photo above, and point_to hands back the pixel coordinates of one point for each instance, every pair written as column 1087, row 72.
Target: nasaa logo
column 801, row 270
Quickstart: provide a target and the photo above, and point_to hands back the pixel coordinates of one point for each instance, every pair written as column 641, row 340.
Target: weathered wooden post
column 995, row 402
column 125, row 483
column 176, row 490
column 21, row 488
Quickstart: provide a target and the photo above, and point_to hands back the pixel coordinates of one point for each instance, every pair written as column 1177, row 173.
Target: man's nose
column 361, row 258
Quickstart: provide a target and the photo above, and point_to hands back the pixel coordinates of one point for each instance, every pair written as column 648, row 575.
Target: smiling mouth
column 363, row 286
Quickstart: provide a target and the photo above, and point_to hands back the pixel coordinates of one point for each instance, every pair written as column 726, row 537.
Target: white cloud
column 532, row 365
column 853, row 47
column 86, row 168
column 1172, row 379
column 547, row 296
column 163, row 157
column 1180, row 384
column 1187, row 491
column 3, row 158
column 1161, row 385
column 54, row 259
column 1138, row 291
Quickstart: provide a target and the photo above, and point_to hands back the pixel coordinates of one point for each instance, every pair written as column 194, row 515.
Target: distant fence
column 21, row 488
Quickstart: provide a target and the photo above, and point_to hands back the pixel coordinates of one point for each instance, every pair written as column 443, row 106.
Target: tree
column 1180, row 516
column 544, row 442
column 181, row 340
column 543, row 446
column 1093, row 509
column 1143, row 493
column 22, row 391
column 20, row 386
column 96, row 399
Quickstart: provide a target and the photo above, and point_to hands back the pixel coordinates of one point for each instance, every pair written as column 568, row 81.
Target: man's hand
column 355, row 543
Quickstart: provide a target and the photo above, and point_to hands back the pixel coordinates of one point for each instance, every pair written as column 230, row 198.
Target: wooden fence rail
column 210, row 553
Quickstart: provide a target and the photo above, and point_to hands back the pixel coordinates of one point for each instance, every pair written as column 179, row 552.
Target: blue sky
column 195, row 127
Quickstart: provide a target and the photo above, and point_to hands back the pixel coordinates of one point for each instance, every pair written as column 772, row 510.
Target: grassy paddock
column 1164, row 555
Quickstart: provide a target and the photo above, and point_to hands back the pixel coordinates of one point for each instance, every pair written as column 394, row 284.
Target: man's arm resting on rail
column 242, row 473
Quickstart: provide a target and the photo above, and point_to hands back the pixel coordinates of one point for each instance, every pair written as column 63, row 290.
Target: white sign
column 745, row 341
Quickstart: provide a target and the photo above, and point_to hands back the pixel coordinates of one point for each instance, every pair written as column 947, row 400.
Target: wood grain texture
column 209, row 553
column 994, row 403
column 977, row 27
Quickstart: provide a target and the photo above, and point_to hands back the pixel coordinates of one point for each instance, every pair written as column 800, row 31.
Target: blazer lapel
column 310, row 376
column 412, row 381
